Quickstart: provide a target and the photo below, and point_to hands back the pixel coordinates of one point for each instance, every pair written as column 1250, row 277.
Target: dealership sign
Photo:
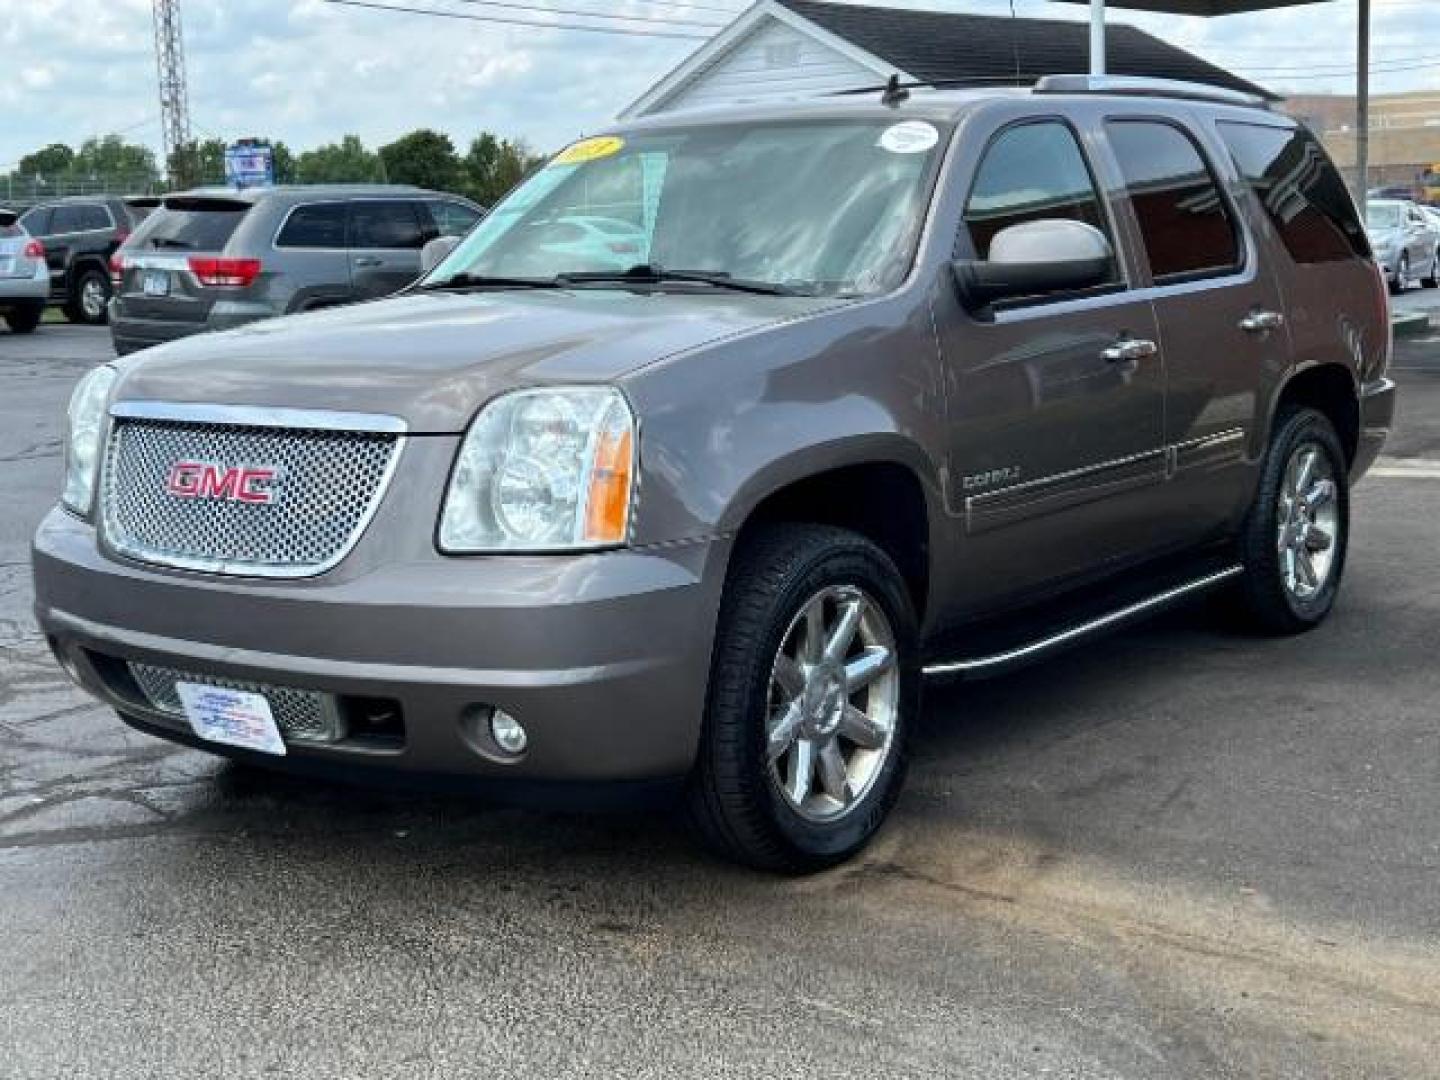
column 249, row 164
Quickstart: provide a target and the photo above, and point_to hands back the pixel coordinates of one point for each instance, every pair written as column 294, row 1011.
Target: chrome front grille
column 301, row 715
column 327, row 484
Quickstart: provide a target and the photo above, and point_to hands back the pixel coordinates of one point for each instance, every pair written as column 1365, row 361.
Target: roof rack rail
column 1133, row 85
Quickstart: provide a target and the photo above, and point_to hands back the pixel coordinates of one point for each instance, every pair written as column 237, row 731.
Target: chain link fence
column 18, row 192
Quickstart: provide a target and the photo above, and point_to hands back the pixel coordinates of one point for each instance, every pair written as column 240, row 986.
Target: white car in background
column 24, row 277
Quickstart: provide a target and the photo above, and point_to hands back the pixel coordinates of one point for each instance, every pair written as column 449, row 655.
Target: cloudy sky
column 308, row 71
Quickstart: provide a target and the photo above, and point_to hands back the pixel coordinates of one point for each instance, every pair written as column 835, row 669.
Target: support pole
column 1097, row 36
column 1362, row 108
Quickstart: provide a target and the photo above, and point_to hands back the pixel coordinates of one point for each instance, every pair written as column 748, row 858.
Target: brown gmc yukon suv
column 722, row 434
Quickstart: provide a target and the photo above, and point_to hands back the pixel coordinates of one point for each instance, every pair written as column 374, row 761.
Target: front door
column 1056, row 402
column 386, row 236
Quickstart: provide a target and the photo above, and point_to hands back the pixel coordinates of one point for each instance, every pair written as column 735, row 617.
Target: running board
column 998, row 662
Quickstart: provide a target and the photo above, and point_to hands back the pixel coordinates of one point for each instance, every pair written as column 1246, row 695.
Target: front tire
column 1402, row 274
column 24, row 320
column 1296, row 536
column 814, row 688
column 89, row 299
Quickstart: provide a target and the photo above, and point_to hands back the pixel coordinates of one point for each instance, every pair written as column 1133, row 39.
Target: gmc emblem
column 254, row 484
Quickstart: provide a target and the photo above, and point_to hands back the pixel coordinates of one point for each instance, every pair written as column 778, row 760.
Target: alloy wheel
column 92, row 298
column 1308, row 521
column 833, row 703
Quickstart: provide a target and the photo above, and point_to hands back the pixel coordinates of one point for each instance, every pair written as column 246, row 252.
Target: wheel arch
column 877, row 487
column 1331, row 389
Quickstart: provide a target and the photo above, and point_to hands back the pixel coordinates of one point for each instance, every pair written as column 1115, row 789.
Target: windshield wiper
column 656, row 275
column 167, row 242
column 485, row 281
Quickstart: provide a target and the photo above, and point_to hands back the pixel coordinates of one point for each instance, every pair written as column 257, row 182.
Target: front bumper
column 604, row 658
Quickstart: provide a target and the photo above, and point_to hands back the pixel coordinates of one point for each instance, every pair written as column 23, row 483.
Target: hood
column 434, row 358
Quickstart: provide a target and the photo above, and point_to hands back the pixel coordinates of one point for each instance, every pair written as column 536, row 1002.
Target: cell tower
column 170, row 61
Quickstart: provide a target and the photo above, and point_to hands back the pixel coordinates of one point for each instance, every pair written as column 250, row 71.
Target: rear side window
column 36, row 221
column 376, row 224
column 1031, row 172
column 191, row 225
column 319, row 225
column 1300, row 189
column 1184, row 220
column 79, row 217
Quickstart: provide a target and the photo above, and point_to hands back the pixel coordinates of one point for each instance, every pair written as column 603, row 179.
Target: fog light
column 509, row 735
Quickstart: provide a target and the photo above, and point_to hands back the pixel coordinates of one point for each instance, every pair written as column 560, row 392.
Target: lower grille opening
column 304, row 716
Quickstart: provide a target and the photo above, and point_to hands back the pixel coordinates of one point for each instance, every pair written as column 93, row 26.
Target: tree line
column 488, row 168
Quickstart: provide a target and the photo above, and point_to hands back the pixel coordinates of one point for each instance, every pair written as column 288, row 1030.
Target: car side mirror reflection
column 1035, row 258
column 434, row 252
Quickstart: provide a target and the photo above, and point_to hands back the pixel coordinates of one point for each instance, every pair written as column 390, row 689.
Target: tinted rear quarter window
column 1031, row 172
column 377, row 224
column 318, row 225
column 192, row 225
column 1184, row 220
column 1301, row 191
column 36, row 221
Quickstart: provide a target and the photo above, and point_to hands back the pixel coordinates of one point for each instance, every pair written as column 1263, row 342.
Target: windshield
column 1383, row 216
column 830, row 208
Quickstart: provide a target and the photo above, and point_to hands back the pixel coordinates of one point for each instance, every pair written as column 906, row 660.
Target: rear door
column 386, row 236
column 60, row 240
column 1222, row 325
column 1056, row 401
column 311, row 256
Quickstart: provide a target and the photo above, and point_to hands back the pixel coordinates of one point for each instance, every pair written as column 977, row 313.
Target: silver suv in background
column 24, row 276
column 216, row 258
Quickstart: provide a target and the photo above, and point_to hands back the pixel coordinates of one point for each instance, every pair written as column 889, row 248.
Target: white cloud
column 308, row 72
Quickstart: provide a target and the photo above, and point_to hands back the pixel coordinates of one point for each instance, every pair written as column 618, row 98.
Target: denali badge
column 231, row 483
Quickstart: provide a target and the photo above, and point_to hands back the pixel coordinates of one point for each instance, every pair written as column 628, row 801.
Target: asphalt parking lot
column 1176, row 853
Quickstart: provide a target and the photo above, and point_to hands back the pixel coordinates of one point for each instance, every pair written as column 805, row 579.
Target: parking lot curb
column 1410, row 324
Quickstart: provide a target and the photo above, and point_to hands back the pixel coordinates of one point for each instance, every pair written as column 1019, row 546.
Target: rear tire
column 24, row 320
column 1432, row 279
column 803, row 749
column 1296, row 535
column 89, row 297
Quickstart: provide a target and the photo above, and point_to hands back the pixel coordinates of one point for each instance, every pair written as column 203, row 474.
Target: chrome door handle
column 1130, row 349
column 1261, row 322
column 369, row 260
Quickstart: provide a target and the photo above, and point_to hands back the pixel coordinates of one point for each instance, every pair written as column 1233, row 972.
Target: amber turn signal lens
column 607, row 509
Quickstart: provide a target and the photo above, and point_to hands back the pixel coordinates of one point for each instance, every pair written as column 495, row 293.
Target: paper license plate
column 233, row 717
column 156, row 283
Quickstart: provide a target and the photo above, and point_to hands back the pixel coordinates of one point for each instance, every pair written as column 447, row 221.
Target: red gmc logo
column 230, row 483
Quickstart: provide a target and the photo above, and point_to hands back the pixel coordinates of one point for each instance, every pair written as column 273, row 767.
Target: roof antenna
column 894, row 94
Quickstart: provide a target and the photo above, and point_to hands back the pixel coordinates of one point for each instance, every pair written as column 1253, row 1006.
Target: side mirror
column 8, row 218
column 1034, row 258
column 434, row 252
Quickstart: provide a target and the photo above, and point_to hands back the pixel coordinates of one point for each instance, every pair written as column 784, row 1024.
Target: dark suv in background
column 80, row 234
column 213, row 259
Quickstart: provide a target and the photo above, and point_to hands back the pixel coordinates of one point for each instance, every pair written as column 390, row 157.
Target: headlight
column 543, row 470
column 84, row 430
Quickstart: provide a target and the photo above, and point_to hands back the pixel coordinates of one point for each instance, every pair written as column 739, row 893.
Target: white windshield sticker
column 911, row 137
